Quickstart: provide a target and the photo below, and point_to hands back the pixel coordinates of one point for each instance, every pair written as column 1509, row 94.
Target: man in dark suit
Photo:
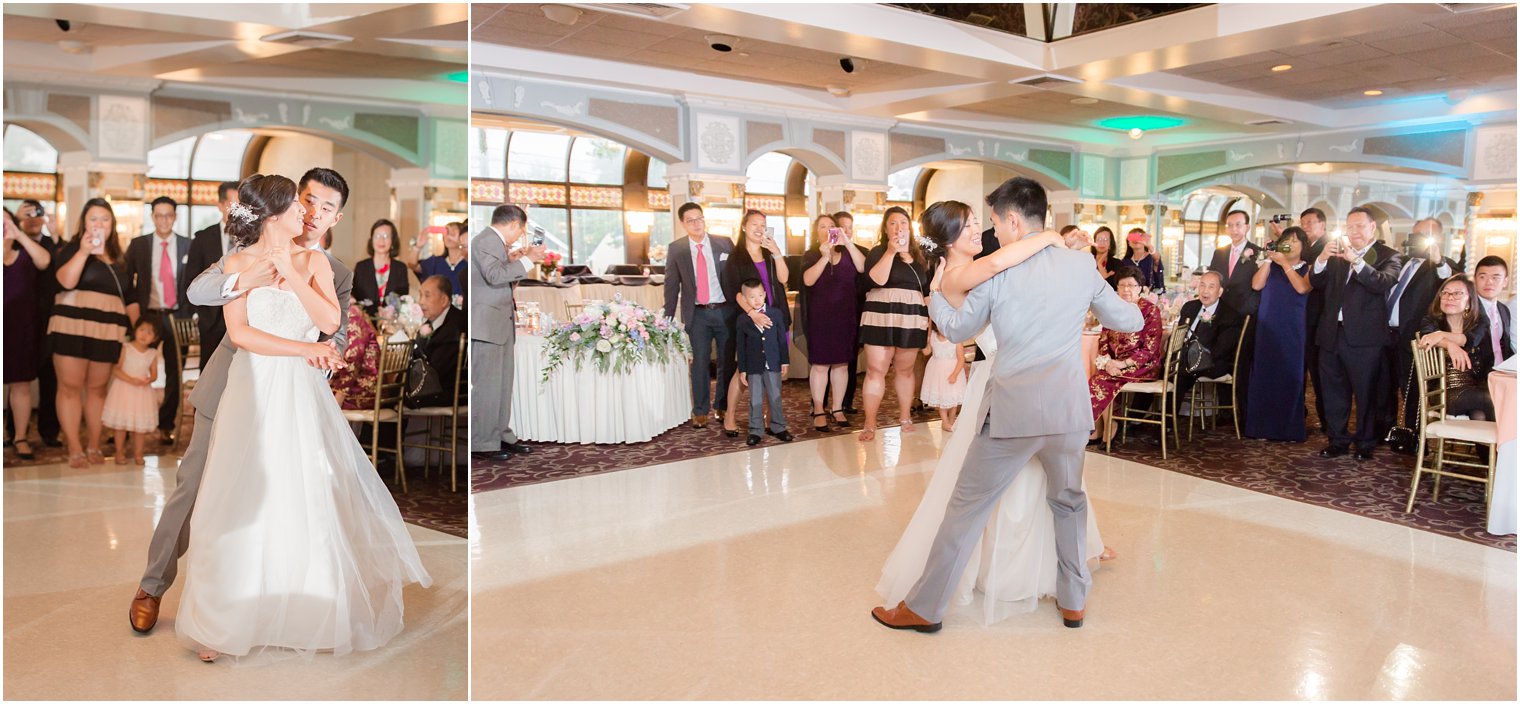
column 1420, row 276
column 1489, row 277
column 207, row 248
column 1236, row 262
column 692, row 264
column 156, row 283
column 439, row 342
column 1357, row 275
column 1213, row 323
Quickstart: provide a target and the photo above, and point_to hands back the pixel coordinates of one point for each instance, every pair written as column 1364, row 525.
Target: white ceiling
column 1211, row 64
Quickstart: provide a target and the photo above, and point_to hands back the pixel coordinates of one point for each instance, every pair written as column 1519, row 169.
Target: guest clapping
column 1152, row 274
column 830, row 273
column 131, row 404
column 26, row 262
column 756, row 256
column 378, row 277
column 1457, row 324
column 1126, row 356
column 763, row 360
column 88, row 324
column 1275, row 401
column 894, row 325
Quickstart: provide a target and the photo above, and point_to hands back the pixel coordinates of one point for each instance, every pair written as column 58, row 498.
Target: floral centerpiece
column 657, row 254
column 402, row 312
column 616, row 336
column 551, row 263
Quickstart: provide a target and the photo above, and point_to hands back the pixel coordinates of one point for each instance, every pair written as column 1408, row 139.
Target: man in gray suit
column 1037, row 405
column 323, row 192
column 492, row 330
column 692, row 268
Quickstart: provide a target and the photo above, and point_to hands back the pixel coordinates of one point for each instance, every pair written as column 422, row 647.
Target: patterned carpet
column 551, row 461
column 427, row 503
column 1377, row 489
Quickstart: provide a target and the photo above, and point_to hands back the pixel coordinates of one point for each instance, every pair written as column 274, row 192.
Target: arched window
column 900, row 184
column 189, row 171
column 767, row 174
column 31, row 168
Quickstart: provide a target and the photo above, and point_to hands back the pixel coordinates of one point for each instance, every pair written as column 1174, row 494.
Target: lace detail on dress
column 279, row 312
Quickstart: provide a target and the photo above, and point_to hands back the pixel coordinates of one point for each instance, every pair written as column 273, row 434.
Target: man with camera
column 1424, row 269
column 498, row 267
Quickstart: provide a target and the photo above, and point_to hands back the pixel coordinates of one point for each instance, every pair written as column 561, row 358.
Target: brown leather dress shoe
column 903, row 618
column 1072, row 619
column 144, row 613
column 699, row 421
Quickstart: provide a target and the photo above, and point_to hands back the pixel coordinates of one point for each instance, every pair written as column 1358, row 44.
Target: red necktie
column 166, row 276
column 701, row 274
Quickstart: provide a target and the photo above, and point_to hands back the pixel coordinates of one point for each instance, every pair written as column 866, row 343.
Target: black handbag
column 421, row 380
column 1400, row 438
column 1196, row 357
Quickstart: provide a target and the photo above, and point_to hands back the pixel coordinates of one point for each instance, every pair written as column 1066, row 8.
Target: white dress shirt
column 527, row 264
column 1356, row 267
column 1202, row 312
column 714, row 287
column 156, row 256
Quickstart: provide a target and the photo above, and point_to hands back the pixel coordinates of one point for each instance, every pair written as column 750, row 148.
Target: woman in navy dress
column 1275, row 402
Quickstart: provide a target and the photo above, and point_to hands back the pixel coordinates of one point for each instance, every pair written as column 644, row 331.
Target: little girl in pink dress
column 944, row 378
column 131, row 404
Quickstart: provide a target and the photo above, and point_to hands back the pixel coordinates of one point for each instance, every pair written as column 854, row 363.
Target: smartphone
column 537, row 238
column 836, row 233
column 99, row 243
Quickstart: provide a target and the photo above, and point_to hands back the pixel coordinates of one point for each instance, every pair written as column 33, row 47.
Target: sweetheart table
column 591, row 407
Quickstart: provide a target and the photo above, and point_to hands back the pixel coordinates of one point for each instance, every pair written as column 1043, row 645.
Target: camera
column 1282, row 218
column 848, row 64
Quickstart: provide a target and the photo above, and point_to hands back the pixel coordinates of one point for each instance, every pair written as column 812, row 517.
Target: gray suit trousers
column 991, row 466
column 171, row 537
column 490, row 396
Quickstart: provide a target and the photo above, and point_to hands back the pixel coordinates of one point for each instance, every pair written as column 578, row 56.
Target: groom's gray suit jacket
column 1037, row 310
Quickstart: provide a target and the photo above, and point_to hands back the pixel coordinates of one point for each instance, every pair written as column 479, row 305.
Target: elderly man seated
column 1215, row 325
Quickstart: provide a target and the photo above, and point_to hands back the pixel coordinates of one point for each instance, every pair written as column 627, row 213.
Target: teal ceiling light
column 458, row 77
column 1142, row 122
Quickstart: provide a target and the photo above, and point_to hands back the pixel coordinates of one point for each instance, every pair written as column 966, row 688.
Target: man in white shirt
column 1408, row 303
column 1236, row 262
column 155, row 285
column 1490, row 277
column 692, row 267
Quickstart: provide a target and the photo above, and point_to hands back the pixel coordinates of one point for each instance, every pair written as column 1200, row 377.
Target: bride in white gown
column 295, row 542
column 1014, row 565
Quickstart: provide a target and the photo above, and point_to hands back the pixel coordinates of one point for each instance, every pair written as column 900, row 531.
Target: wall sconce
column 798, row 225
column 639, row 221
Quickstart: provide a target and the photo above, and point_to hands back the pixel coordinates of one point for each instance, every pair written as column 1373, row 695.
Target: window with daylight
column 189, row 170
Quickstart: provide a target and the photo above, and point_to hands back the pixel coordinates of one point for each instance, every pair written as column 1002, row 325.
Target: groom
column 323, row 193
column 1036, row 405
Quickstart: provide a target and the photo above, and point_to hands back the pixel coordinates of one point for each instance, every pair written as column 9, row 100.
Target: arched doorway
column 31, row 171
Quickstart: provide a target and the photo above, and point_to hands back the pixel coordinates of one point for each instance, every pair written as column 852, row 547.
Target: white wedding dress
column 295, row 543
column 1014, row 564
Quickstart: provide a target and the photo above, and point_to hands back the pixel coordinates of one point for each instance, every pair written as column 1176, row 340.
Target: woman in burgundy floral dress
column 354, row 385
column 1132, row 356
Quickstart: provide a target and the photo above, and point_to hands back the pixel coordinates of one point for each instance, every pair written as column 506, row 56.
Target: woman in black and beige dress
column 894, row 323
column 87, row 328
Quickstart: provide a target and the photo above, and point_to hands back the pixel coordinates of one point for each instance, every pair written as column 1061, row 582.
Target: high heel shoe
column 28, row 455
column 838, row 421
column 78, row 461
column 825, row 427
column 95, row 456
column 731, row 433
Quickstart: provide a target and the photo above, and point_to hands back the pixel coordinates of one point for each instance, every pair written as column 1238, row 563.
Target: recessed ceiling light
column 1374, row 92
column 1084, row 101
column 562, row 14
column 1282, row 67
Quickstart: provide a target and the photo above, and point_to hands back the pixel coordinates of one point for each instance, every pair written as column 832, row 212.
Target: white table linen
column 592, row 407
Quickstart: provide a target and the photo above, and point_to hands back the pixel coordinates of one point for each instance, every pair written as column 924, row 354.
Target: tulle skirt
column 295, row 543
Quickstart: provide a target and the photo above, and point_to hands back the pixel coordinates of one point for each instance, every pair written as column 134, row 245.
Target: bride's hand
column 280, row 256
column 1054, row 239
column 324, row 356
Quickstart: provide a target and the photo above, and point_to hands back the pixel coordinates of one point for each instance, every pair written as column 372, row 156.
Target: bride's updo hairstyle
column 942, row 223
column 259, row 197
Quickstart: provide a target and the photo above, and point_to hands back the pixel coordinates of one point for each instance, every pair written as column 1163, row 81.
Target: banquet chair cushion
column 1147, row 387
column 1479, row 431
column 365, row 416
column 444, row 411
column 1226, row 379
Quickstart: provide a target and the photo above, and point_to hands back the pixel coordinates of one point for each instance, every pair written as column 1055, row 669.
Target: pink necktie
column 701, row 275
column 166, row 276
column 1234, row 255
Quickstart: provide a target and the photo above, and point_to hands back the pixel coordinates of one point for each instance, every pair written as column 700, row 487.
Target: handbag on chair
column 1196, row 357
column 1401, row 439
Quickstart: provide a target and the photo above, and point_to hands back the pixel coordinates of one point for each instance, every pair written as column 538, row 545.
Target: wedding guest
column 1141, row 257
column 1489, row 277
column 451, row 264
column 38, row 226
column 944, row 378
column 1215, row 326
column 1424, row 269
column 1126, row 356
column 354, row 384
column 207, row 248
column 1312, row 220
column 846, row 222
column 894, row 324
column 1357, row 273
column 1237, row 262
column 131, row 404
column 156, row 280
column 763, row 360
column 493, row 337
column 438, row 340
column 1103, row 253
column 831, row 317
column 1457, row 324
column 692, row 264
column 1275, row 402
column 756, row 256
column 26, row 263
column 88, row 324
column 377, row 277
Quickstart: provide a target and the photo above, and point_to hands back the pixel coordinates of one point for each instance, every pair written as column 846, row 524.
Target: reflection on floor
column 750, row 576
column 75, row 544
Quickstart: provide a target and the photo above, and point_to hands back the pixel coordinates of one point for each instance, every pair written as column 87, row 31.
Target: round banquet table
column 593, row 407
column 1501, row 513
column 557, row 301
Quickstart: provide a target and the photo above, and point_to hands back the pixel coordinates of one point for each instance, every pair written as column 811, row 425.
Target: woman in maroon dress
column 354, row 385
column 830, row 273
column 1132, row 356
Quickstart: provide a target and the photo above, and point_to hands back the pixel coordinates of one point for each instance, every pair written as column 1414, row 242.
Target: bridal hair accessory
column 928, row 244
column 242, row 212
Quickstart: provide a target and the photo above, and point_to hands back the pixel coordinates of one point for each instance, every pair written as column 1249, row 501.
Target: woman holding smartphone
column 830, row 272
column 87, row 327
column 895, row 322
column 756, row 256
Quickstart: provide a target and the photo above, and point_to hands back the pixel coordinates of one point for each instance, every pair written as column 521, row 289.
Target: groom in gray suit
column 1036, row 405
column 323, row 193
column 493, row 333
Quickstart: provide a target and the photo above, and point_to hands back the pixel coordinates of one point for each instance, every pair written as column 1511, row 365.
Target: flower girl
column 131, row 405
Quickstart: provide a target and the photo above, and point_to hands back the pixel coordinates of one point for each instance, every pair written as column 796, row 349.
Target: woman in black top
column 379, row 276
column 1103, row 251
column 1456, row 322
column 894, row 322
column 87, row 327
column 756, row 256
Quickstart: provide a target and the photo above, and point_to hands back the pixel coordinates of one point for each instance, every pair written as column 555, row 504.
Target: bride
column 1015, row 563
column 295, row 542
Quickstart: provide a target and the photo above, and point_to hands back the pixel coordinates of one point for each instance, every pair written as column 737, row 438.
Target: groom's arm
column 960, row 325
column 1112, row 311
column 212, row 287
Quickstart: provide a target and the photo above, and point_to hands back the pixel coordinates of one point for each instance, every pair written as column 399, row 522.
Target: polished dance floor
column 749, row 575
column 75, row 544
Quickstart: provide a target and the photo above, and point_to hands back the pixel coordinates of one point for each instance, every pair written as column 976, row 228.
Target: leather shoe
column 753, row 440
column 493, row 456
column 902, row 618
column 783, row 436
column 516, row 448
column 144, row 614
column 1363, row 454
column 699, row 421
column 1334, row 451
column 1072, row 619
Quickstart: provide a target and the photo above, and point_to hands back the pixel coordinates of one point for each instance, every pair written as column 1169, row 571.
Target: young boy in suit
column 763, row 363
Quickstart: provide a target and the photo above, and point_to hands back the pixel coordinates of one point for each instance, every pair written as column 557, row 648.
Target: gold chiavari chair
column 1231, row 380
column 389, row 385
column 1165, row 389
column 450, row 413
column 187, row 339
column 1436, row 429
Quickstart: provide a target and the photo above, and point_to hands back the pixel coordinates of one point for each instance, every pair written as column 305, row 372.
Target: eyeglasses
column 1454, row 294
column 694, row 221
